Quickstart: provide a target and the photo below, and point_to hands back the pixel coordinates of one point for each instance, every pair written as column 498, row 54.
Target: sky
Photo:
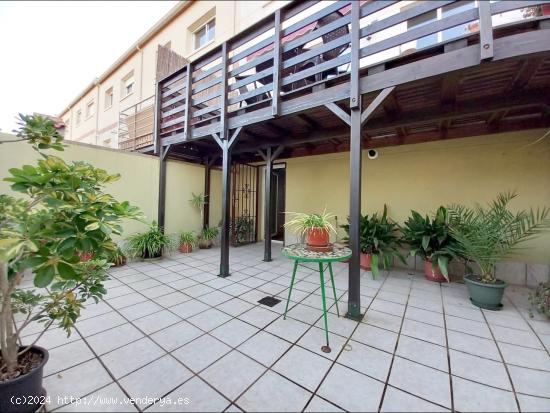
column 50, row 51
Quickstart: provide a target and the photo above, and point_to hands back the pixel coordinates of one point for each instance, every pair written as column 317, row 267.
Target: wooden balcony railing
column 136, row 125
column 306, row 47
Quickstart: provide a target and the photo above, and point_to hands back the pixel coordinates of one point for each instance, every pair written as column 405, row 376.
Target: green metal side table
column 300, row 253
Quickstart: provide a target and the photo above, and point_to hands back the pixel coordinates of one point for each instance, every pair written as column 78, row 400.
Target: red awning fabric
column 298, row 33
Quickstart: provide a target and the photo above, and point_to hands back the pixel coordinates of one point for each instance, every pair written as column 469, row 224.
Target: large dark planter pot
column 483, row 295
column 25, row 393
column 148, row 257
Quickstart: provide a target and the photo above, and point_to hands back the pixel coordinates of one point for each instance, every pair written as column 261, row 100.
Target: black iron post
column 354, row 276
column 226, row 195
column 206, row 209
column 267, row 205
column 163, row 152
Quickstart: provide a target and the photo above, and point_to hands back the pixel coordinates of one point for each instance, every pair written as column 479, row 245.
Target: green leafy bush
column 488, row 234
column 65, row 213
column 379, row 237
column 188, row 237
column 430, row 239
column 149, row 244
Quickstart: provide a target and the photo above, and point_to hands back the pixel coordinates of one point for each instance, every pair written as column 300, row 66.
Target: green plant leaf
column 44, row 276
column 442, row 263
column 425, row 242
column 374, row 266
column 66, row 271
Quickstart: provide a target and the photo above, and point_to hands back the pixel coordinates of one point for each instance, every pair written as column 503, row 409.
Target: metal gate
column 244, row 207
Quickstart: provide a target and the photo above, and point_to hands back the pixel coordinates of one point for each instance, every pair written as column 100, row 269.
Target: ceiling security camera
column 372, row 153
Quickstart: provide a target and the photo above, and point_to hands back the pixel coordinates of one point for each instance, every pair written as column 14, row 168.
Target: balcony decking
column 259, row 80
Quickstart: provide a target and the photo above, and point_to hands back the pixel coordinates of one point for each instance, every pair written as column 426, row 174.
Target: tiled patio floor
column 173, row 329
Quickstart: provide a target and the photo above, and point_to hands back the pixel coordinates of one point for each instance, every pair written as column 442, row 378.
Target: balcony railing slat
column 173, row 122
column 206, row 110
column 509, row 5
column 419, row 32
column 201, row 74
column 206, row 85
column 251, row 64
column 402, row 16
column 258, row 91
column 319, row 68
column 169, row 102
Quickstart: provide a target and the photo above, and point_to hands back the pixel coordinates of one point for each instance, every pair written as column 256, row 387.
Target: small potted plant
column 316, row 228
column 198, row 201
column 243, row 229
column 207, row 237
column 431, row 240
column 149, row 245
column 188, row 240
column 379, row 241
column 117, row 257
column 489, row 234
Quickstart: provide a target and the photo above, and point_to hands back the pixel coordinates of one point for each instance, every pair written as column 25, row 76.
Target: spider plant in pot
column 188, row 240
column 431, row 240
column 62, row 210
column 379, row 241
column 316, row 228
column 488, row 234
column 149, row 245
column 207, row 237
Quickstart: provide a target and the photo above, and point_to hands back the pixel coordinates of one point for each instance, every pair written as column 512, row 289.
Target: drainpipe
column 140, row 50
column 97, row 112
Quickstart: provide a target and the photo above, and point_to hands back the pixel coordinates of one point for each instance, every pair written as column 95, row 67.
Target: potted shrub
column 379, row 241
column 198, row 201
column 243, row 229
column 64, row 211
column 149, row 245
column 117, row 258
column 431, row 240
column 188, row 240
column 487, row 235
column 316, row 228
column 207, row 237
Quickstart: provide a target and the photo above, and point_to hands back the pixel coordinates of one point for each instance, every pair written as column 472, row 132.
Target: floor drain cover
column 269, row 301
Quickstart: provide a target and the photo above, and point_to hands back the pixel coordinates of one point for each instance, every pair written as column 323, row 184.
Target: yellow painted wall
column 423, row 176
column 138, row 183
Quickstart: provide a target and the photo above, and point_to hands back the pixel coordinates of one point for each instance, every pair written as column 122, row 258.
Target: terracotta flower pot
column 365, row 261
column 317, row 237
column 186, row 248
column 433, row 273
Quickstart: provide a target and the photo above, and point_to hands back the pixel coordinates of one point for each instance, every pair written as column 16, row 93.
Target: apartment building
column 119, row 101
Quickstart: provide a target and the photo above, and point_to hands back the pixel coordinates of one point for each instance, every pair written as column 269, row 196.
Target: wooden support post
column 267, row 205
column 226, row 199
column 206, row 209
column 354, row 275
column 188, row 103
column 162, row 186
column 485, row 30
column 157, row 119
column 277, row 60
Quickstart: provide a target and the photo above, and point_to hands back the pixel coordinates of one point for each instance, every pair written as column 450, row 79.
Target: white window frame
column 90, row 109
column 109, row 94
column 202, row 26
column 124, row 85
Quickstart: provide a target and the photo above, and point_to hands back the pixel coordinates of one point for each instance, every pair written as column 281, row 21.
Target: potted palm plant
column 489, row 234
column 188, row 240
column 149, row 245
column 63, row 212
column 316, row 228
column 379, row 241
column 207, row 237
column 431, row 240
